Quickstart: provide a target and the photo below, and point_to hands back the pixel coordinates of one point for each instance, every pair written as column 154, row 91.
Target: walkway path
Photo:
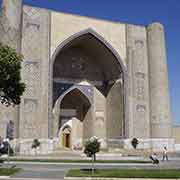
column 56, row 171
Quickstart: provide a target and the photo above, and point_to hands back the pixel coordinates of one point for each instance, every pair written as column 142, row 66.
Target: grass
column 8, row 171
column 126, row 173
column 76, row 161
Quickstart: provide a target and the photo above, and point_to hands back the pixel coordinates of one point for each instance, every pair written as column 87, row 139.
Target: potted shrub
column 134, row 143
column 35, row 145
column 92, row 146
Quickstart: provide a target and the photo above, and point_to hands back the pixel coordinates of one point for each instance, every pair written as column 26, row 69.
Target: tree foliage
column 11, row 87
column 134, row 142
column 92, row 146
column 35, row 144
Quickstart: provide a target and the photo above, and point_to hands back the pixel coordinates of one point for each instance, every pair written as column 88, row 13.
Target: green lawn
column 8, row 171
column 127, row 173
column 77, row 161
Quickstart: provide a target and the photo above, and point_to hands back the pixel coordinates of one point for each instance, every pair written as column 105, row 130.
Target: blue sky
column 136, row 12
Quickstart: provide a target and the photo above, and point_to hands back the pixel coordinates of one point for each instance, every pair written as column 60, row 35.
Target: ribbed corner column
column 158, row 78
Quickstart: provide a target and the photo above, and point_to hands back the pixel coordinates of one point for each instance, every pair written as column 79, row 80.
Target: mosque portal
column 88, row 92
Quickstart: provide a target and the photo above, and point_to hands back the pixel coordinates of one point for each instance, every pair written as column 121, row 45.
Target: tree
column 92, row 146
column 134, row 142
column 11, row 87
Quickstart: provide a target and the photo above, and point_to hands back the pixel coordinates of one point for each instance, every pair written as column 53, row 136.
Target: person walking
column 165, row 156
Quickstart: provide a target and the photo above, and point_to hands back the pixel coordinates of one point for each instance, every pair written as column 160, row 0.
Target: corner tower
column 159, row 90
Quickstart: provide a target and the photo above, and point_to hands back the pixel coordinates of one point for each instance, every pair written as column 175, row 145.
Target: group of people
column 154, row 158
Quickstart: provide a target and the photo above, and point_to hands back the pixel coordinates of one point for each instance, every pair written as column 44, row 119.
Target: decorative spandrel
column 140, row 92
column 138, row 54
column 59, row 88
column 141, row 108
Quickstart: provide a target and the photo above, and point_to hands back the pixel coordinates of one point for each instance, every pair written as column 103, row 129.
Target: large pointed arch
column 97, row 36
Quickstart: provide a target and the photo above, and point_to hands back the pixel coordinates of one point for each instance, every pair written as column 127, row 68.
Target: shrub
column 134, row 142
column 92, row 146
column 35, row 144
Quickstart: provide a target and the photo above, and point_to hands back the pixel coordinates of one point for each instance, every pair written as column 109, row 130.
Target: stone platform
column 120, row 146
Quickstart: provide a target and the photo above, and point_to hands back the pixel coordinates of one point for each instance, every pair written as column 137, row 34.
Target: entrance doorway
column 66, row 137
column 66, row 140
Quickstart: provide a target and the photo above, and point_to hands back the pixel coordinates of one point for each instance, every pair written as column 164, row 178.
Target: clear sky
column 136, row 12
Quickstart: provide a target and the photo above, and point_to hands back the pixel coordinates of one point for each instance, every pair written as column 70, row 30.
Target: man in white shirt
column 165, row 156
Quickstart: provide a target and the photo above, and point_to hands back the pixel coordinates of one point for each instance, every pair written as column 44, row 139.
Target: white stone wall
column 65, row 25
column 138, row 79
